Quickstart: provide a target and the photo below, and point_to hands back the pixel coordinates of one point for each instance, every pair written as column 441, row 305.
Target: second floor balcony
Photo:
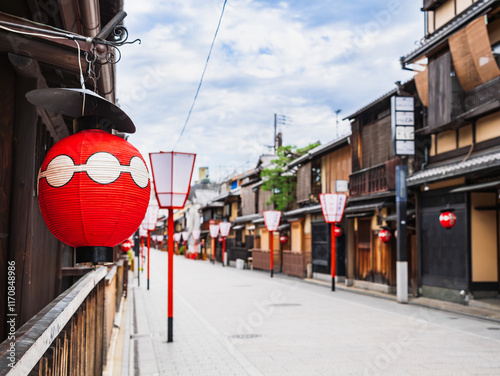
column 374, row 179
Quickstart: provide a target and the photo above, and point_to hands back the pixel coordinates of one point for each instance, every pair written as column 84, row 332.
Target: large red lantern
column 93, row 191
column 385, row 235
column 447, row 219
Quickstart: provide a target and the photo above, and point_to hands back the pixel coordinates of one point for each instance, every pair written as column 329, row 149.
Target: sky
column 301, row 59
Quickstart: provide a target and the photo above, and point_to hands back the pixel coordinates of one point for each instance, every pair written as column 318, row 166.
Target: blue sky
column 302, row 59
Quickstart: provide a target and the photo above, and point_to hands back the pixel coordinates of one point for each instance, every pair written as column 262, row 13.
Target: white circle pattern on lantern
column 101, row 167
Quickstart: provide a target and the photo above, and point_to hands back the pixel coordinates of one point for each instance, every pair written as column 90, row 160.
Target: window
column 316, row 177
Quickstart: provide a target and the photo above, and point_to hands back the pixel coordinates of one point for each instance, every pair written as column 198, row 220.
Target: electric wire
column 202, row 76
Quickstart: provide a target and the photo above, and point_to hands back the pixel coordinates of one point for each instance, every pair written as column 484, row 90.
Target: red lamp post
column 448, row 219
column 332, row 206
column 149, row 224
column 196, row 235
column 272, row 222
column 214, row 232
column 225, row 228
column 172, row 172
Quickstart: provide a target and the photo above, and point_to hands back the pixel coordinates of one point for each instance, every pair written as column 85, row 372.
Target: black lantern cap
column 69, row 102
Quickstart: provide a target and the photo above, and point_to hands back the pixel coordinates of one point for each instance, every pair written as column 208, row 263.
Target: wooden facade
column 461, row 133
column 26, row 134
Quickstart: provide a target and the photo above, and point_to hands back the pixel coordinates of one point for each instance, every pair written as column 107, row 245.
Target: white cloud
column 270, row 57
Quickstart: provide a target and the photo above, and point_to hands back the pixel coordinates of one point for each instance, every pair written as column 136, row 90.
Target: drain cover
column 139, row 336
column 284, row 305
column 245, row 336
column 495, row 328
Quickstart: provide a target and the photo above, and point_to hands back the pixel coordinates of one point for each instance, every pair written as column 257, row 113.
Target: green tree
column 279, row 179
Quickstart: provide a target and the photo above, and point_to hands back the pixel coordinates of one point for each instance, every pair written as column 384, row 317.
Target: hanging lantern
column 126, row 246
column 337, row 231
column 283, row 239
column 385, row 235
column 448, row 219
column 93, row 192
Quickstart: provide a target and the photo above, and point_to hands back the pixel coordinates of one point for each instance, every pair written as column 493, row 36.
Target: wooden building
column 371, row 203
column 324, row 169
column 459, row 84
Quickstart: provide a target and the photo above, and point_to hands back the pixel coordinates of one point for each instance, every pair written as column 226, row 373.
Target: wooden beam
column 29, row 68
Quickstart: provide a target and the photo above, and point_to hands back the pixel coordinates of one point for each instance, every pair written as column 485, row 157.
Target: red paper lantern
column 385, row 235
column 126, row 246
column 283, row 239
column 447, row 219
column 337, row 231
column 93, row 191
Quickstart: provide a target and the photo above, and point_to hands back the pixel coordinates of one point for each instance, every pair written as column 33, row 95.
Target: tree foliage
column 280, row 180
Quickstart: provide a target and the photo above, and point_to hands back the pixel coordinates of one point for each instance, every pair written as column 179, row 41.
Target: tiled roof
column 443, row 33
column 455, row 169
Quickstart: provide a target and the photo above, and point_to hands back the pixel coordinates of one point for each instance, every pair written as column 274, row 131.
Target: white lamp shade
column 214, row 231
column 154, row 238
column 271, row 219
column 333, row 205
column 225, row 228
column 185, row 236
column 196, row 234
column 177, row 236
column 159, row 238
column 172, row 174
column 149, row 222
column 143, row 232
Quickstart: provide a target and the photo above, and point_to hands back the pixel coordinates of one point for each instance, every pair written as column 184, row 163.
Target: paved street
column 242, row 322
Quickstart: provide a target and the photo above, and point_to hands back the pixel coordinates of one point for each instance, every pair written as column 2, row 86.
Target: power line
column 202, row 75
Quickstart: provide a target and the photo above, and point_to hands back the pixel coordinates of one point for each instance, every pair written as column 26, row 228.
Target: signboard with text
column 403, row 125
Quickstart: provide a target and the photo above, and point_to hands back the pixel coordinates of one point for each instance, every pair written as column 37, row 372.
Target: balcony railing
column 374, row 179
column 482, row 99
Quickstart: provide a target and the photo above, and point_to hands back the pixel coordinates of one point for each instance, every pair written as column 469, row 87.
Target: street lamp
column 332, row 206
column 196, row 235
column 272, row 221
column 224, row 227
column 214, row 232
column 149, row 224
column 172, row 172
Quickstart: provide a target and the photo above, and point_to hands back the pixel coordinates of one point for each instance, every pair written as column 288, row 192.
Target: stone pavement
column 242, row 322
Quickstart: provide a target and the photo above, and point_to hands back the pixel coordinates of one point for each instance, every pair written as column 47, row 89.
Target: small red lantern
column 385, row 235
column 93, row 191
column 337, row 231
column 283, row 239
column 447, row 219
column 126, row 246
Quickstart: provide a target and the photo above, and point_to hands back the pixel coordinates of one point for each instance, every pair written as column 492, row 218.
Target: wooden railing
column 486, row 95
column 375, row 179
column 70, row 336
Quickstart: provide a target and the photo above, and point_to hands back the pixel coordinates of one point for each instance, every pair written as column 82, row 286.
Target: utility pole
column 337, row 123
column 274, row 142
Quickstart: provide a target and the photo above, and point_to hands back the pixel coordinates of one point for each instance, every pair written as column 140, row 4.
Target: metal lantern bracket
column 100, row 41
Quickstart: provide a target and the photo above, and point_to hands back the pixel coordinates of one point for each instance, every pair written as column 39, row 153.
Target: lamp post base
column 272, row 273
column 170, row 328
column 333, row 283
column 95, row 255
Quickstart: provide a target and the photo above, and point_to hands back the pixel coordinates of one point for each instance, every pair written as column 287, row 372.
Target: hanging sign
column 196, row 234
column 332, row 206
column 403, row 125
column 272, row 219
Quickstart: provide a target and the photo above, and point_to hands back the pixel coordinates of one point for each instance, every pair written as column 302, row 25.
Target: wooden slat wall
column 440, row 88
column 376, row 139
column 264, row 196
column 247, row 201
column 304, row 182
column 356, row 146
column 337, row 166
column 36, row 252
column 7, row 77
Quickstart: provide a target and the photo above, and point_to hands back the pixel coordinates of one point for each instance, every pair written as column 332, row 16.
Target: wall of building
column 484, row 238
column 335, row 166
column 488, row 127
